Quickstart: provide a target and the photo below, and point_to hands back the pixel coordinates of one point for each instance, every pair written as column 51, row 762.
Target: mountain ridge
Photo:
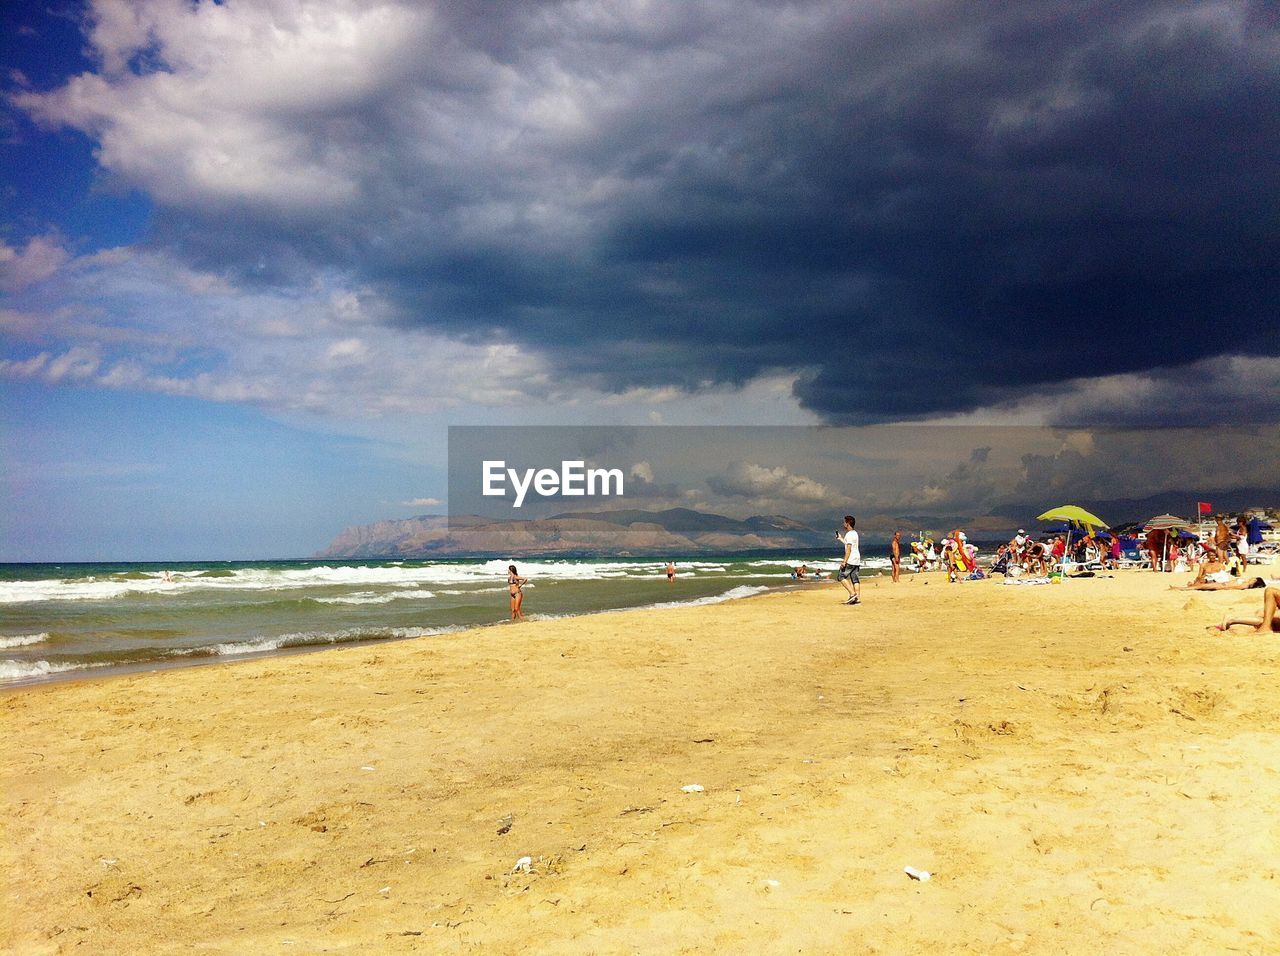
column 629, row 531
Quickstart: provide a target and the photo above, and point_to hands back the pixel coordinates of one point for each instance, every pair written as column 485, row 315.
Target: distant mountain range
column 682, row 531
column 675, row 531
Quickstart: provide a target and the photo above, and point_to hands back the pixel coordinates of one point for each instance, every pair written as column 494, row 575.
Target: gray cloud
column 923, row 208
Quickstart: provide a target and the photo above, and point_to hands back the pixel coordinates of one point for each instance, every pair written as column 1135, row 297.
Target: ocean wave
column 11, row 671
column 312, row 639
column 86, row 589
column 733, row 594
column 111, row 587
column 372, row 597
column 22, row 640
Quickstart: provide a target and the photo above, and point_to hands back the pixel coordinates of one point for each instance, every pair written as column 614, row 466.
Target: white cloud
column 743, row 479
column 76, row 364
column 422, row 503
column 24, row 368
column 129, row 319
column 219, row 121
column 40, row 258
column 350, row 351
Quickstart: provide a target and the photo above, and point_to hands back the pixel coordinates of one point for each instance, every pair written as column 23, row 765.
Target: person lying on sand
column 1269, row 622
column 1214, row 576
column 1247, row 583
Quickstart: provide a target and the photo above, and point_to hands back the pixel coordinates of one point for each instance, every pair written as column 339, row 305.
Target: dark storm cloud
column 926, row 208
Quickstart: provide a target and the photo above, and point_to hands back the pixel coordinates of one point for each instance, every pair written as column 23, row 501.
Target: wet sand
column 1080, row 766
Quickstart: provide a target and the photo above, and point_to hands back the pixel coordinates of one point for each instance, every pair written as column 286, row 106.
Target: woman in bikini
column 515, row 587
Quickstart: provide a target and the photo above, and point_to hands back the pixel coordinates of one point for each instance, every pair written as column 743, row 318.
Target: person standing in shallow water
column 895, row 554
column 515, row 587
column 671, row 572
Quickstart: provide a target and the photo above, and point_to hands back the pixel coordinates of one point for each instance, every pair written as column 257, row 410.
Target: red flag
column 1205, row 507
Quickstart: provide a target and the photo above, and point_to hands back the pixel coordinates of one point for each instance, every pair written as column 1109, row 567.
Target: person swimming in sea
column 515, row 587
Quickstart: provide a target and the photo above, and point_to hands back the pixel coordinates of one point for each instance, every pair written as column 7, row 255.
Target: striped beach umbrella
column 1165, row 522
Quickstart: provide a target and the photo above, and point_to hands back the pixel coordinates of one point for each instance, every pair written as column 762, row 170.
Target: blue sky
column 256, row 257
column 104, row 475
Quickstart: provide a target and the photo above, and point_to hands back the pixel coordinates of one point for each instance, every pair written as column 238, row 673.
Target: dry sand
column 1082, row 767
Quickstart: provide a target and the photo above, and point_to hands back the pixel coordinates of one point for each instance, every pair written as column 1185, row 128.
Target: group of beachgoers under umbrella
column 1076, row 519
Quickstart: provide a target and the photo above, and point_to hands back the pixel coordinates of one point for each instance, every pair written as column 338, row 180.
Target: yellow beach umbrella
column 1075, row 514
column 1072, row 514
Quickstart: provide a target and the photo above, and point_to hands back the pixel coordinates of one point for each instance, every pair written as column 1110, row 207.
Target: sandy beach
column 1079, row 766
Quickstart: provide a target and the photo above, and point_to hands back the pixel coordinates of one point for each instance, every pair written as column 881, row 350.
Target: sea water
column 68, row 620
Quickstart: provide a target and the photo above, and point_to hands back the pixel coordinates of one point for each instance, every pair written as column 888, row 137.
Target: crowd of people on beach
column 1220, row 561
column 953, row 554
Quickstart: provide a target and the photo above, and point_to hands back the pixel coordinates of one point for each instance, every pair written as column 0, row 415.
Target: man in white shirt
column 852, row 560
column 1019, row 546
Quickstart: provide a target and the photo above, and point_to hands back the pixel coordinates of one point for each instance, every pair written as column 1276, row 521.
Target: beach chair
column 1133, row 558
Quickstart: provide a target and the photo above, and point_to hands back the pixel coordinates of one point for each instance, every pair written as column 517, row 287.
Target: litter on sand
column 523, row 865
column 693, row 788
column 922, row 875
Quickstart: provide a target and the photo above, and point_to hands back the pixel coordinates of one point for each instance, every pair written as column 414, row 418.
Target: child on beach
column 515, row 587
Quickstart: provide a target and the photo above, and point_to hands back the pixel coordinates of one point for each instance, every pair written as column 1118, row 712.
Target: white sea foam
column 22, row 640
column 12, row 671
column 316, row 639
column 107, row 587
column 733, row 594
column 85, row 589
column 373, row 597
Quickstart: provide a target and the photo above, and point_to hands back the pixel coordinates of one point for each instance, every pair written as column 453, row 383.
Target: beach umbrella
column 1166, row 522
column 1072, row 515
